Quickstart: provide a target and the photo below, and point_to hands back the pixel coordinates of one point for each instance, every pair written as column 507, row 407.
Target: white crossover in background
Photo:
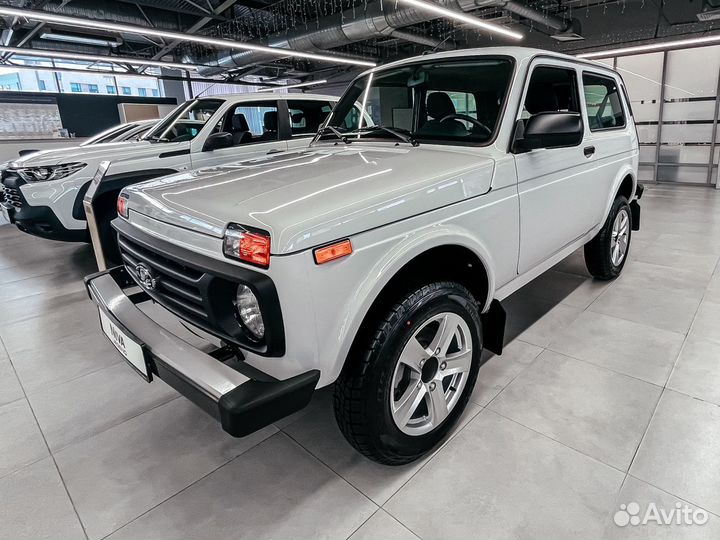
column 44, row 191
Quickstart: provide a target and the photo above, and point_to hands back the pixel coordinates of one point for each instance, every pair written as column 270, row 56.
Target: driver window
column 252, row 122
column 551, row 89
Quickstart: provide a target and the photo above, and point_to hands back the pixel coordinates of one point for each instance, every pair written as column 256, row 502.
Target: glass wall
column 674, row 96
column 84, row 78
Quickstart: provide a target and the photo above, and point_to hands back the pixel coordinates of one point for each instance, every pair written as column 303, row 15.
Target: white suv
column 44, row 191
column 376, row 259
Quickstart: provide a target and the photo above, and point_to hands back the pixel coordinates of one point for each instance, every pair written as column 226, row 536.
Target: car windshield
column 108, row 134
column 454, row 100
column 185, row 122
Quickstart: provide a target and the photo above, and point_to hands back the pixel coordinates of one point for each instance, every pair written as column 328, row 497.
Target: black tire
column 362, row 392
column 598, row 257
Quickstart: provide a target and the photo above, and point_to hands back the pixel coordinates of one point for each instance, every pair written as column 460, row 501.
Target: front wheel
column 401, row 395
column 605, row 255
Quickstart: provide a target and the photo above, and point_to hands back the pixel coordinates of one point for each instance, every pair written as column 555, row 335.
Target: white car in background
column 44, row 191
column 129, row 131
column 376, row 259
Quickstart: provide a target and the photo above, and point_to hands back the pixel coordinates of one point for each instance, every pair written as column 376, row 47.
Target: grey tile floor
column 608, row 393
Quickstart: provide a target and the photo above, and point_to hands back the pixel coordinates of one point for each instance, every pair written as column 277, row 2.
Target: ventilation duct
column 565, row 29
column 381, row 19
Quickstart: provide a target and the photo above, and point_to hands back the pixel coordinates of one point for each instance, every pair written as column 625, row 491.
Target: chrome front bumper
column 241, row 397
column 92, row 224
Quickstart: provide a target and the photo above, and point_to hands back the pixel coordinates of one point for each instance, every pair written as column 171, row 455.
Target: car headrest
column 297, row 117
column 239, row 122
column 270, row 121
column 439, row 105
column 541, row 98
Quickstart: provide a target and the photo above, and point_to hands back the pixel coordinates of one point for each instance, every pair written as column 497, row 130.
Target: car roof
column 254, row 96
column 518, row 53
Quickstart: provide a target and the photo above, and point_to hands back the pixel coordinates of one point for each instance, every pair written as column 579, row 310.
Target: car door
column 551, row 181
column 305, row 116
column 254, row 129
column 608, row 138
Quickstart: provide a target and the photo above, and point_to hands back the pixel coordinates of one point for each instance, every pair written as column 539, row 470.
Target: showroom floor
column 607, row 394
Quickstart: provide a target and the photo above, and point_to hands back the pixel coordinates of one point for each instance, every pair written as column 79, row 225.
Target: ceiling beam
column 27, row 37
column 227, row 4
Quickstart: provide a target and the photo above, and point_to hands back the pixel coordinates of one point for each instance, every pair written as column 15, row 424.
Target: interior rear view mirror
column 548, row 130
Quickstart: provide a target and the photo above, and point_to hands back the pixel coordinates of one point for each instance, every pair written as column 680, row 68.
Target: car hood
column 312, row 196
column 97, row 152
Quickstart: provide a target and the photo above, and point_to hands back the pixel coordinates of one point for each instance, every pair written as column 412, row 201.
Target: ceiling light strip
column 299, row 85
column 165, row 34
column 458, row 16
column 41, row 53
column 692, row 42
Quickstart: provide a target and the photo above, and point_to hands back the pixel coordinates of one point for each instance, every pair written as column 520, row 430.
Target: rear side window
column 306, row 115
column 603, row 103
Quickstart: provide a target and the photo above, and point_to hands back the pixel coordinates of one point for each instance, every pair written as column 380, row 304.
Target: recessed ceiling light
column 39, row 53
column 452, row 14
column 299, row 85
column 165, row 34
column 652, row 47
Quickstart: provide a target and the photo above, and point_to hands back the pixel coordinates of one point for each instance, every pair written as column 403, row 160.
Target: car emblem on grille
column 146, row 277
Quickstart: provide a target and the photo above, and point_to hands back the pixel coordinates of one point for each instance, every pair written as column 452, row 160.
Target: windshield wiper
column 332, row 130
column 404, row 138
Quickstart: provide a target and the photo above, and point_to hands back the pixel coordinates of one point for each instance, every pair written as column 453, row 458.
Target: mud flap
column 635, row 215
column 493, row 322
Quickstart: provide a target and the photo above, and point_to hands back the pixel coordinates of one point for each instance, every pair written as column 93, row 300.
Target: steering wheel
column 470, row 119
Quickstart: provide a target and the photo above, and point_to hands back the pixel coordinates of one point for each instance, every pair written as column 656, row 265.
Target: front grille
column 202, row 290
column 178, row 287
column 13, row 197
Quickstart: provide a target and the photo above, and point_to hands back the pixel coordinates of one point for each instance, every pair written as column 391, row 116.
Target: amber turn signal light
column 333, row 251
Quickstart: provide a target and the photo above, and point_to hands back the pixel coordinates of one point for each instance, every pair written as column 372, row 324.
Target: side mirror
column 548, row 130
column 216, row 141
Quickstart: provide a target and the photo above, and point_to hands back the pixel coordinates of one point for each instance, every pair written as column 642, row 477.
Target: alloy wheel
column 431, row 373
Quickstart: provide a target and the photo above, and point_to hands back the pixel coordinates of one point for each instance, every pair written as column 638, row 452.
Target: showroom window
column 306, row 116
column 602, row 101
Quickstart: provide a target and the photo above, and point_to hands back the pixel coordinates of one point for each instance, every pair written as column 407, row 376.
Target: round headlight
column 249, row 311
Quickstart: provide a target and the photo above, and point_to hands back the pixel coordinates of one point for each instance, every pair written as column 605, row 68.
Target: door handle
column 588, row 151
column 274, row 151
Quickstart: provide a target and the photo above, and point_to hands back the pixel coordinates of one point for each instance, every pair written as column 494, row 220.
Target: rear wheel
column 401, row 395
column 605, row 255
